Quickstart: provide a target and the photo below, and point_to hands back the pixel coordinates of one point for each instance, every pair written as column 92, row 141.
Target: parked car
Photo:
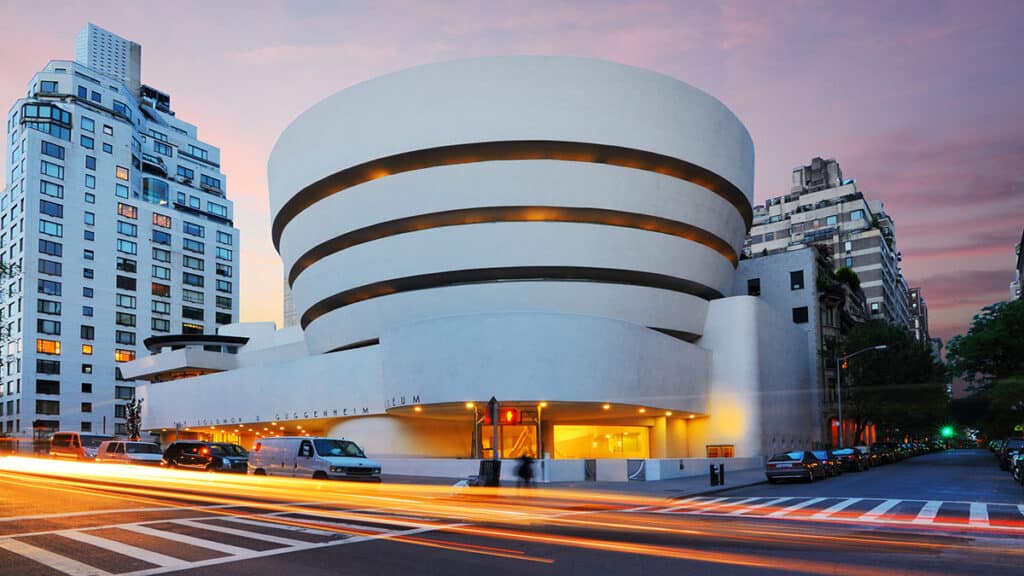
column 1010, row 446
column 1017, row 467
column 76, row 445
column 828, row 462
column 798, row 465
column 850, row 460
column 128, row 452
column 209, row 456
column 869, row 458
column 882, row 454
column 318, row 458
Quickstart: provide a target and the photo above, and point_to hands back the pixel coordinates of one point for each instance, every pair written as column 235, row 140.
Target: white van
column 128, row 452
column 77, row 445
column 319, row 458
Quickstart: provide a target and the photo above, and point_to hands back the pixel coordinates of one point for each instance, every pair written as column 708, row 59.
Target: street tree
column 990, row 357
column 901, row 389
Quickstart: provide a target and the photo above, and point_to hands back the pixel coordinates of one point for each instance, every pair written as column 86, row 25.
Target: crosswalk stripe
column 928, row 513
column 757, row 506
column 979, row 514
column 242, row 533
column 280, row 526
column 191, row 541
column 795, row 507
column 55, row 561
column 124, row 549
column 684, row 503
column 836, row 508
column 876, row 512
column 722, row 505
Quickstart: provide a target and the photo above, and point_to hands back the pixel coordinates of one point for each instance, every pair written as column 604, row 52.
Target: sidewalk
column 674, row 488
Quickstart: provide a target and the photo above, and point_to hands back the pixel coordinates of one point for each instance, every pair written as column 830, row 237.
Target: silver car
column 128, row 452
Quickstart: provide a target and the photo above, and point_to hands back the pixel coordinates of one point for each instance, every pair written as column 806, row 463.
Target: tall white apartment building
column 114, row 226
column 822, row 208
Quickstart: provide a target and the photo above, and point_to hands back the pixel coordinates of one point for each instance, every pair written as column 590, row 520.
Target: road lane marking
column 124, row 549
column 928, row 513
column 794, row 507
column 758, row 506
column 876, row 512
column 722, row 505
column 979, row 515
column 191, row 541
column 55, row 561
column 836, row 508
column 243, row 533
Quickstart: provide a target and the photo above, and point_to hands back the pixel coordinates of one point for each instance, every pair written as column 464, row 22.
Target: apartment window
column 85, row 123
column 87, row 142
column 158, row 135
column 49, row 287
column 89, row 235
column 224, row 254
column 857, row 215
column 51, row 209
column 192, row 296
column 49, row 267
column 125, row 264
column 51, row 248
column 192, row 262
column 754, row 287
column 847, row 246
column 161, row 272
column 126, row 246
column 161, row 220
column 124, row 392
column 87, row 311
column 192, row 313
column 108, row 148
column 123, row 355
column 48, row 307
column 127, row 338
column 186, row 173
column 875, row 309
column 51, row 189
column 161, row 237
column 86, row 386
column 126, row 301
column 223, row 286
column 223, row 318
column 120, row 411
column 217, row 209
column 796, row 280
column 121, row 173
column 224, row 238
column 126, row 283
column 190, row 328
column 52, row 150
column 192, row 229
column 87, row 349
column 198, row 152
column 48, row 86
column 44, row 346
column 90, row 198
column 124, row 319
column 120, row 190
column 194, row 202
column 52, row 170
column 49, row 327
column 88, row 273
column 88, row 332
column 86, row 292
column 90, row 162
column 127, row 210
column 161, row 325
column 47, row 367
column 163, row 149
column 800, row 315
column 89, row 218
column 127, row 228
column 192, row 279
column 848, row 262
column 51, row 228
column 224, row 302
column 48, row 407
column 192, row 245
column 161, row 290
column 90, row 181
column 830, row 221
column 161, row 255
column 160, row 307
column 86, row 408
column 223, row 270
column 48, row 386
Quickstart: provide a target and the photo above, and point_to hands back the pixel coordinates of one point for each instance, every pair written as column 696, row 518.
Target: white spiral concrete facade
column 518, row 184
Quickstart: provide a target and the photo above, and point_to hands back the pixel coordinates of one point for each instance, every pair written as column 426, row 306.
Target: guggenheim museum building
column 559, row 234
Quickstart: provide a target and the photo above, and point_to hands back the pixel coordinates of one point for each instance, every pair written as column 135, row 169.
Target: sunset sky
column 920, row 102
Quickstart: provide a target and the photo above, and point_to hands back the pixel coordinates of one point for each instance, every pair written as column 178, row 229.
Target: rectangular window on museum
column 800, row 315
column 796, row 280
column 127, row 210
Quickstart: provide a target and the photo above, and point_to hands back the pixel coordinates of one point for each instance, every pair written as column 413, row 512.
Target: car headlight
column 337, row 468
column 376, row 470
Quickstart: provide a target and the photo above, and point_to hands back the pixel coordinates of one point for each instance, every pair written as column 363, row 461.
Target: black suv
column 1011, row 446
column 209, row 456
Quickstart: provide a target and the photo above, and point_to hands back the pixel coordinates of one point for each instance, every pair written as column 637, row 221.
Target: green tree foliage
column 847, row 276
column 991, row 358
column 901, row 389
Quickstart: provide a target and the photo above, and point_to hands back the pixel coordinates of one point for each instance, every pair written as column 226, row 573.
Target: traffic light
column 947, row 432
column 510, row 416
column 844, row 364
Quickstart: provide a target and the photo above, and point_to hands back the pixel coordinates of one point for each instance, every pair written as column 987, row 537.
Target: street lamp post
column 839, row 389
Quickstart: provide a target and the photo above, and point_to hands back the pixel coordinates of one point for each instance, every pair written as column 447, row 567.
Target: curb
column 717, row 489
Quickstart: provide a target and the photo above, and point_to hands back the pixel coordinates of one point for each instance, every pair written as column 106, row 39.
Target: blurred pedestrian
column 525, row 472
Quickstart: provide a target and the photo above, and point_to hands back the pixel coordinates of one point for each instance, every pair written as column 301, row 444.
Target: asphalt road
column 944, row 513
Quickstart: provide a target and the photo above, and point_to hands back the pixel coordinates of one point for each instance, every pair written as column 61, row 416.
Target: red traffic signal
column 507, row 416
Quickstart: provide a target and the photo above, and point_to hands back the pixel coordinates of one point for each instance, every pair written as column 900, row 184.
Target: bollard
column 721, row 474
column 714, row 475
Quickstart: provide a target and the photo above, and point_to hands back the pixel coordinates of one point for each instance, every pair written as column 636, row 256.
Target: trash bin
column 490, row 473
